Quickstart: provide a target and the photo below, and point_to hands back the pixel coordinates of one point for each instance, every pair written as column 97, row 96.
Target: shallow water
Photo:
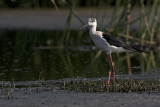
column 28, row 55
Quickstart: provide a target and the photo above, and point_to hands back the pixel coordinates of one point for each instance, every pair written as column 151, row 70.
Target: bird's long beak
column 84, row 26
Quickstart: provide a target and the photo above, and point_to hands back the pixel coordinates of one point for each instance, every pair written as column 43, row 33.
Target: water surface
column 28, row 55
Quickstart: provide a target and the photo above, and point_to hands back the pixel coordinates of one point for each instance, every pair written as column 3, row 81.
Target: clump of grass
column 7, row 90
column 83, row 85
column 102, row 86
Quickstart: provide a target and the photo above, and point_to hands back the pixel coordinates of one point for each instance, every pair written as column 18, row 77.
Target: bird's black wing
column 115, row 42
column 112, row 40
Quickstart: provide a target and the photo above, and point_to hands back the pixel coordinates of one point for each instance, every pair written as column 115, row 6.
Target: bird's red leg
column 110, row 57
column 109, row 70
column 109, row 77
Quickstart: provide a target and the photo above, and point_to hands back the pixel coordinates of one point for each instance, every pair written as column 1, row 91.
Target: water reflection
column 39, row 55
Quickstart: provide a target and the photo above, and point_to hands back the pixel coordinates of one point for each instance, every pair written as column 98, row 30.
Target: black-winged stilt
column 108, row 43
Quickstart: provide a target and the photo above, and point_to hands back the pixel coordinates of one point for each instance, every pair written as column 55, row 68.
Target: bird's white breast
column 99, row 42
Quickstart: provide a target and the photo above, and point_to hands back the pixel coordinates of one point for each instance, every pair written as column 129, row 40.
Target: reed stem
column 127, row 33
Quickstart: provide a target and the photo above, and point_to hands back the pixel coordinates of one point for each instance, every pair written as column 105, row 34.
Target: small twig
column 55, row 5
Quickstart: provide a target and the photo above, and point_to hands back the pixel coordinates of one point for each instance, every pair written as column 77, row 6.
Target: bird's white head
column 92, row 22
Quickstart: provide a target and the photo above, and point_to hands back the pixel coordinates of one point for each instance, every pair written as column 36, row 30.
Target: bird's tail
column 138, row 49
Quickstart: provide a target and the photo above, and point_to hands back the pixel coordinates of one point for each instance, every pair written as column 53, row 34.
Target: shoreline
column 60, row 98
column 51, row 19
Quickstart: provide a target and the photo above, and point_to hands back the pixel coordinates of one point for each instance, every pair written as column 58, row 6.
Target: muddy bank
column 55, row 20
column 77, row 93
column 31, row 97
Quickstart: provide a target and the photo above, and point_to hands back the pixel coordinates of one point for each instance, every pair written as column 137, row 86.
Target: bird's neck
column 92, row 30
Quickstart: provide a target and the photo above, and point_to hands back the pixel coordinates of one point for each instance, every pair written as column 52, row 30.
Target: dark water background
column 49, row 55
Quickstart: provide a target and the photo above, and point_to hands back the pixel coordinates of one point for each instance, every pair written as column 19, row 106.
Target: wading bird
column 108, row 43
